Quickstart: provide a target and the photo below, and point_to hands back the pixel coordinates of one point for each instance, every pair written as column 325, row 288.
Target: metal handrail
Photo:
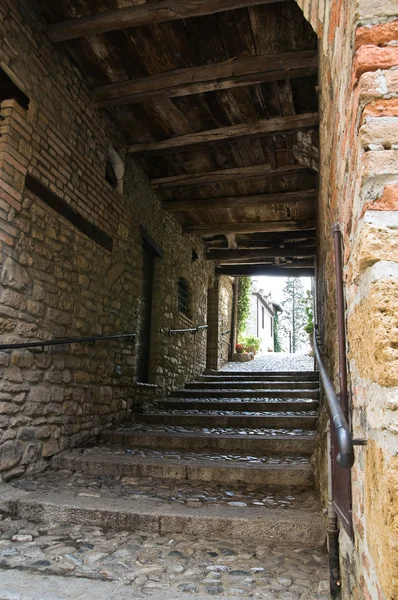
column 345, row 457
column 61, row 342
column 187, row 330
column 225, row 332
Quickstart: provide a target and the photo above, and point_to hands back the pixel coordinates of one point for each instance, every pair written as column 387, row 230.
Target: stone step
column 57, row 497
column 216, row 419
column 253, row 385
column 299, row 375
column 245, row 393
column 120, row 462
column 194, row 439
column 247, row 405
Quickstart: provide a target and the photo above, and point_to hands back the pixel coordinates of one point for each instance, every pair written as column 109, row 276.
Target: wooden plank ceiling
column 218, row 101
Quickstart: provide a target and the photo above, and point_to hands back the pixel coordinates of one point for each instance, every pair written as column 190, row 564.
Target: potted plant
column 239, row 348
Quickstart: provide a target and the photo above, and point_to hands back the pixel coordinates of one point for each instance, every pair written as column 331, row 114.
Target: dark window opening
column 10, row 91
column 110, row 175
column 272, row 325
column 262, row 317
column 183, row 297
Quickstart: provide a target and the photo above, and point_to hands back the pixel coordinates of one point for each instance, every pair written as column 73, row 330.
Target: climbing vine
column 244, row 291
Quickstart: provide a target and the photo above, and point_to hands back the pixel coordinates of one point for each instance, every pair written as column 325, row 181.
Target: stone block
column 39, row 394
column 10, row 454
column 16, row 276
column 381, row 509
column 50, row 447
column 22, row 359
column 373, row 324
column 374, row 244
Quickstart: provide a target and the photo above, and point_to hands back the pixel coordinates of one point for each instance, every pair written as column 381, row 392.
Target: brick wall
column 359, row 189
column 58, row 282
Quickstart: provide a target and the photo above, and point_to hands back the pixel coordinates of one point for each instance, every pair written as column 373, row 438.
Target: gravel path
column 274, row 362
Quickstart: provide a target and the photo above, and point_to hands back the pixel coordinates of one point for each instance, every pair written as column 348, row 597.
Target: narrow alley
column 160, row 435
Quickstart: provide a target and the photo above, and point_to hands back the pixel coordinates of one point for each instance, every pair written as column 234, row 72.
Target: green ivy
column 244, row 292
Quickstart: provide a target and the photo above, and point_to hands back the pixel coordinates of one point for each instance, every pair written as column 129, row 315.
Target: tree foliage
column 308, row 302
column 293, row 319
column 277, row 342
column 244, row 292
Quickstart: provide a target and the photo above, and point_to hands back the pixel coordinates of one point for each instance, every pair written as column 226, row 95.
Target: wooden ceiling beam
column 292, row 264
column 149, row 13
column 257, row 226
column 207, row 78
column 240, row 270
column 226, row 135
column 239, row 201
column 238, row 254
column 223, row 176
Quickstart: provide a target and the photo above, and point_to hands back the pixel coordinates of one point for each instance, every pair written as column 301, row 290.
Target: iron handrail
column 187, row 330
column 345, row 458
column 61, row 342
column 225, row 332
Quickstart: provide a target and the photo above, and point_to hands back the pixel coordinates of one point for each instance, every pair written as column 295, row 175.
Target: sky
column 275, row 285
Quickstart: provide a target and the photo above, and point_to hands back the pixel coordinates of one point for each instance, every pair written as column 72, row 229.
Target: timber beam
column 238, row 201
column 223, row 176
column 149, row 13
column 291, row 250
column 257, row 226
column 240, row 270
column 207, row 78
column 232, row 133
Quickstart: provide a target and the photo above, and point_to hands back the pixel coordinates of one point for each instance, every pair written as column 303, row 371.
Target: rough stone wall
column 359, row 189
column 220, row 320
column 57, row 282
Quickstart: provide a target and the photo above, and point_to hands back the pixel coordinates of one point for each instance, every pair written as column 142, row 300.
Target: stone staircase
column 228, row 456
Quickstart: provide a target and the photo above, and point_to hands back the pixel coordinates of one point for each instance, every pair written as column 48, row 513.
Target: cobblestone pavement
column 152, row 563
column 226, row 413
column 274, row 362
column 195, row 456
column 191, row 493
column 143, row 427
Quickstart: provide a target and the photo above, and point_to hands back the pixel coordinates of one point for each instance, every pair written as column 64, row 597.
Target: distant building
column 261, row 322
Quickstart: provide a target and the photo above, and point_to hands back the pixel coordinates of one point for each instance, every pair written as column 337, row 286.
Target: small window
column 183, row 297
column 262, row 317
column 114, row 170
column 272, row 325
column 9, row 90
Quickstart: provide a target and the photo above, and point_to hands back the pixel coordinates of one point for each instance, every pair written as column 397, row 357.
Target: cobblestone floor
column 143, row 427
column 153, row 562
column 195, row 456
column 191, row 493
column 239, row 399
column 226, row 413
column 274, row 362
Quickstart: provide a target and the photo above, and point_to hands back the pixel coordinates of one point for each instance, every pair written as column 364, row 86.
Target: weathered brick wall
column 57, row 282
column 359, row 189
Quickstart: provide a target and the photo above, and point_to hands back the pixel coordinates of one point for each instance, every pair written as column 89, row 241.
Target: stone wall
column 220, row 322
column 359, row 189
column 57, row 281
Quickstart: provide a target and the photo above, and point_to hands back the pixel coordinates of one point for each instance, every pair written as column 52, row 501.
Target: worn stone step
column 273, row 421
column 87, row 504
column 245, row 393
column 253, row 385
column 299, row 375
column 195, row 439
column 247, row 405
column 119, row 462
